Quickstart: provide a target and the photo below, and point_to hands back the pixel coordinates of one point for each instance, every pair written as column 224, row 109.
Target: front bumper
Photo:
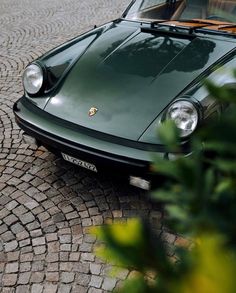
column 59, row 137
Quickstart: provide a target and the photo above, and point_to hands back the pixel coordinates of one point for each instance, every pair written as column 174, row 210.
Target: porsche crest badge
column 92, row 111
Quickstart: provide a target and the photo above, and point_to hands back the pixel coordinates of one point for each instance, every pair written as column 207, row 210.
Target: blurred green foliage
column 199, row 195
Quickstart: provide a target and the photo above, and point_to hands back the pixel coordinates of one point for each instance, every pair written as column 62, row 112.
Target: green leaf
column 225, row 165
column 176, row 212
column 135, row 285
column 224, row 186
column 225, row 93
column 165, row 167
column 170, row 135
column 164, row 195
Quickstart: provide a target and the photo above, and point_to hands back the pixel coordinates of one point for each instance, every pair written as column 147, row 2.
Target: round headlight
column 33, row 79
column 185, row 116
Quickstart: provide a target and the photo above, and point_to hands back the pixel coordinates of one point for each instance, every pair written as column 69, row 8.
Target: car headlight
column 33, row 79
column 185, row 116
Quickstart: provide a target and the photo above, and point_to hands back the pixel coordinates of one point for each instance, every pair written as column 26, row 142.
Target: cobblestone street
column 46, row 204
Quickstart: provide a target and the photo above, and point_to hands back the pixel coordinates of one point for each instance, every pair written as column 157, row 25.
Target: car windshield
column 216, row 11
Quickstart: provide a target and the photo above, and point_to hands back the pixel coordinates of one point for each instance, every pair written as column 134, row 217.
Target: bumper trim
column 59, row 144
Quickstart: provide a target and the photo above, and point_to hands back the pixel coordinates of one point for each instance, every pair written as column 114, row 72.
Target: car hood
column 130, row 76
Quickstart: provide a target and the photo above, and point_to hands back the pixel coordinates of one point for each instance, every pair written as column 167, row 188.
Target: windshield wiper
column 199, row 26
column 223, row 26
column 174, row 28
column 160, row 30
column 200, row 21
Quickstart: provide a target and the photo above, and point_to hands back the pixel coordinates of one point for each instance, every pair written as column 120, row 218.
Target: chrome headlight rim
column 195, row 104
column 42, row 84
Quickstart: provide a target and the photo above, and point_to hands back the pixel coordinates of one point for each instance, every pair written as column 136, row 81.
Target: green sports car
column 98, row 99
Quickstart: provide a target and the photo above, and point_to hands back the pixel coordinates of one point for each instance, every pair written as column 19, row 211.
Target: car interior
column 184, row 9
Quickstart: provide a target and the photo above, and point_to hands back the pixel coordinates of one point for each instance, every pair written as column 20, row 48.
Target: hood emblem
column 92, row 111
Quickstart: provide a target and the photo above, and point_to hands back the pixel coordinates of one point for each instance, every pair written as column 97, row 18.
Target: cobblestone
column 46, row 204
column 67, row 277
column 12, row 267
column 10, row 246
column 24, row 278
column 96, row 281
column 9, row 279
column 37, row 288
column 95, row 269
column 109, row 284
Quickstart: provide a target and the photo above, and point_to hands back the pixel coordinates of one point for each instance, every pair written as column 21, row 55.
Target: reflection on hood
column 148, row 56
